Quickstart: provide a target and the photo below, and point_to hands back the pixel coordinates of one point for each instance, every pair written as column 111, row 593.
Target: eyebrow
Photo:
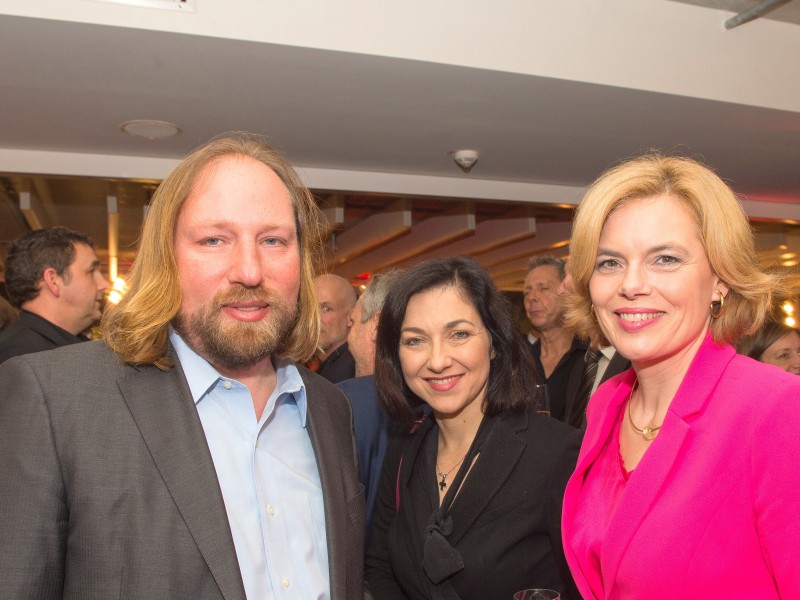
column 448, row 325
column 227, row 224
column 653, row 250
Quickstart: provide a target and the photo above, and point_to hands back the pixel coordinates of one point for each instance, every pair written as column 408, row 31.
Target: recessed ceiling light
column 149, row 129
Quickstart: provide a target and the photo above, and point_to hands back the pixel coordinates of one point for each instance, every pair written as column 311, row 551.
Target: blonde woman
column 686, row 484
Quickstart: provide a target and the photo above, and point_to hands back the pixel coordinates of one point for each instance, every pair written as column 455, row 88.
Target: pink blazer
column 713, row 508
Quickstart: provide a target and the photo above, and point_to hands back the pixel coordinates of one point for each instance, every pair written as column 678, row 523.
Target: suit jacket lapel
column 162, row 406
column 499, row 455
column 646, row 484
column 329, row 459
column 616, row 365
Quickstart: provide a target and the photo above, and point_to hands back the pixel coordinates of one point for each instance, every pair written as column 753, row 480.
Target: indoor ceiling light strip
column 183, row 5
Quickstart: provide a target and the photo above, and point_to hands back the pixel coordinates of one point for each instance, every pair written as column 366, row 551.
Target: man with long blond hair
column 188, row 456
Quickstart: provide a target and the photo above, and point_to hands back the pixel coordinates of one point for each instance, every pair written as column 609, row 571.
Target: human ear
column 52, row 281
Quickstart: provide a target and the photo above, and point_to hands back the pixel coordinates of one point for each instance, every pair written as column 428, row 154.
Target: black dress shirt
column 340, row 365
column 558, row 382
column 32, row 333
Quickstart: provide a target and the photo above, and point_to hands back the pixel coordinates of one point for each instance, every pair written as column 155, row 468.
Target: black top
column 558, row 382
column 504, row 525
column 32, row 333
column 340, row 365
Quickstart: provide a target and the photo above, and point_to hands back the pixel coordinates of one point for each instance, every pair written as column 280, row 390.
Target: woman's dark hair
column 511, row 373
column 755, row 345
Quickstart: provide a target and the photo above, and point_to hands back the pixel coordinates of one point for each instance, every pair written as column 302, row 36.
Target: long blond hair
column 137, row 328
column 721, row 225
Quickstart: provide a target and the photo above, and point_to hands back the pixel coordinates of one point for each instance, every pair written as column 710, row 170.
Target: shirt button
column 270, row 510
column 285, row 582
column 227, row 385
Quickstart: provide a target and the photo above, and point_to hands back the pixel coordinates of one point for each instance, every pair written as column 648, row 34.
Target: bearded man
column 187, row 455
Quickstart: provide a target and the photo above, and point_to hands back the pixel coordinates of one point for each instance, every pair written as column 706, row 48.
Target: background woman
column 775, row 344
column 469, row 501
column 686, row 485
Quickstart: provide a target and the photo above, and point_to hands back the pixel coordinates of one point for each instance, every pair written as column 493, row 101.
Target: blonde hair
column 722, row 227
column 137, row 328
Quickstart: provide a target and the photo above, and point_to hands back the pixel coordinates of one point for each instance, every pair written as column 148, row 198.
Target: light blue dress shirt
column 269, row 478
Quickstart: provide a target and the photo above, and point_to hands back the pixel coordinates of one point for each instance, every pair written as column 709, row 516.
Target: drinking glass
column 541, row 400
column 537, row 594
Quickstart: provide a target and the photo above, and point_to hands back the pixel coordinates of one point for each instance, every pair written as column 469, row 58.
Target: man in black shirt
column 336, row 299
column 556, row 352
column 53, row 276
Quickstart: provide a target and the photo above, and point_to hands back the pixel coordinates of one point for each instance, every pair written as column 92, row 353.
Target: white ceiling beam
column 424, row 236
column 760, row 210
column 334, row 211
column 375, row 230
column 549, row 236
column 31, row 209
column 491, row 234
column 510, row 277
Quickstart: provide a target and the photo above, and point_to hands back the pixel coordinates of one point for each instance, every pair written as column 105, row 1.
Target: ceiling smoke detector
column 465, row 159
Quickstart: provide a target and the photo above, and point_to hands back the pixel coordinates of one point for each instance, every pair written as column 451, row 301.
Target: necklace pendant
column 443, row 483
column 649, row 433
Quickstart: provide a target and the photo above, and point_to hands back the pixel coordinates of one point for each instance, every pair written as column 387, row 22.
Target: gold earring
column 720, row 306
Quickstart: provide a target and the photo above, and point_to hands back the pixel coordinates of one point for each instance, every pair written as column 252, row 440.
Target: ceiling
column 373, row 136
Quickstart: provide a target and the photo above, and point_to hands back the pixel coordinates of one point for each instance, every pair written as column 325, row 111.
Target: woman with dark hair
column 775, row 344
column 469, row 502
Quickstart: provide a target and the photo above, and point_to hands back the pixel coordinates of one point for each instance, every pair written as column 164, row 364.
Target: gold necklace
column 648, row 433
column 443, row 480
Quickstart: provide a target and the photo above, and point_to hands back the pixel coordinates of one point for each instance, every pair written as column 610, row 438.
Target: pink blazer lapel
column 602, row 415
column 652, row 474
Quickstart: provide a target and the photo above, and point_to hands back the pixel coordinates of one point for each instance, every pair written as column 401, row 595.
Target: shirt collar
column 202, row 377
column 608, row 351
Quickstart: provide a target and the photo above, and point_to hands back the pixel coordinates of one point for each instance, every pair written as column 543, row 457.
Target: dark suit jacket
column 506, row 517
column 340, row 365
column 32, row 333
column 371, row 425
column 576, row 407
column 108, row 489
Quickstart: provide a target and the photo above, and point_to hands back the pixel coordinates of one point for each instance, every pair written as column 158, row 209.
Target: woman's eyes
column 607, row 264
column 666, row 259
column 612, row 264
column 412, row 342
column 459, row 335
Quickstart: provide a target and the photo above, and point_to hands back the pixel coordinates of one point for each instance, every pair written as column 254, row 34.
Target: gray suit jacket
column 108, row 489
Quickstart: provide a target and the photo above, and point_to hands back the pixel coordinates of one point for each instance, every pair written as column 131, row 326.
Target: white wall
column 653, row 45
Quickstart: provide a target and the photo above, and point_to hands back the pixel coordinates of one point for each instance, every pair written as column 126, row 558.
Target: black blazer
column 506, row 518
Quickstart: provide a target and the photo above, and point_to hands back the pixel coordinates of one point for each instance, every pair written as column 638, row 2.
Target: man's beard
column 232, row 344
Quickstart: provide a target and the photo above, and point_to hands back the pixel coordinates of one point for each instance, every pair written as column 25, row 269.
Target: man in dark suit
column 186, row 456
column 336, row 299
column 371, row 423
column 599, row 365
column 53, row 276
